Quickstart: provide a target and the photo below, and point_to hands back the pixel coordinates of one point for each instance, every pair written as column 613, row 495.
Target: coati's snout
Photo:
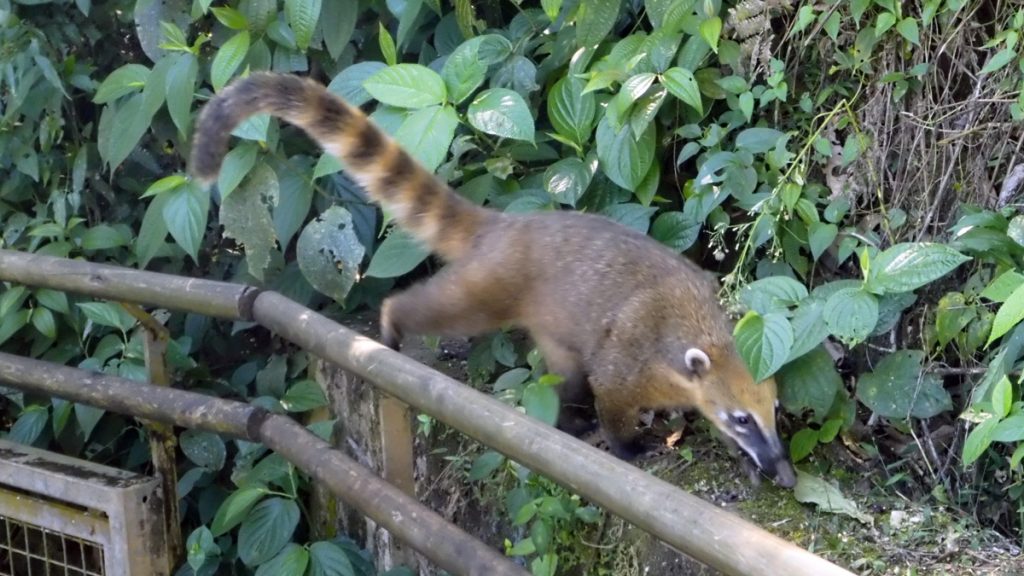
column 765, row 451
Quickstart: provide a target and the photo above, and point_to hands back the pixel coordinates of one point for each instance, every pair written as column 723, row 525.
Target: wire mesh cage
column 60, row 516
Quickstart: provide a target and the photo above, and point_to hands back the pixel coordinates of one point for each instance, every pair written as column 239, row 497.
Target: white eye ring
column 696, row 360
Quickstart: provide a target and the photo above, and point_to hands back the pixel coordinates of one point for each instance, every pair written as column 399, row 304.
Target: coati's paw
column 575, row 422
column 627, row 450
column 390, row 338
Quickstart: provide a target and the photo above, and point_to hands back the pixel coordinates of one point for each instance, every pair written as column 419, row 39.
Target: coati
column 605, row 304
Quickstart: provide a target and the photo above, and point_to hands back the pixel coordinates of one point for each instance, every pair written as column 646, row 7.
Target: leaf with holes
column 899, row 388
column 763, row 342
column 329, row 253
column 246, row 218
column 205, row 449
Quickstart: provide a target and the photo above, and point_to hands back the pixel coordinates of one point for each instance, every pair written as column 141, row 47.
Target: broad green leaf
column 541, row 402
column 230, row 17
column 772, row 294
column 205, row 449
column 571, row 112
column 246, row 218
column 978, row 440
column 303, row 396
column 339, row 20
column 820, row 236
column 677, row 230
column 763, row 342
column 632, row 89
column 185, row 215
column 551, row 8
column 52, row 299
column 811, row 381
column 746, row 104
column 266, row 530
column 427, row 133
column 181, row 81
column 625, row 159
column 503, row 113
column 29, row 425
column 1003, row 286
column 12, row 322
column 152, row 232
column 802, row 444
column 631, row 215
column 1010, row 429
column 302, row 17
column 758, row 140
column 397, row 254
column 951, row 316
column 567, row 180
column 236, row 166
column 259, row 13
column 349, row 83
column 407, row 86
column 908, row 29
column 122, row 125
column 813, row 490
column 851, row 314
column 329, row 253
column 1001, row 59
column 291, row 561
column 125, row 80
column 387, row 45
column 1015, row 229
column 905, row 267
column 898, row 388
column 594, row 20
column 44, row 322
column 228, row 59
column 105, row 237
column 1010, row 313
column 296, row 191
column 235, row 508
column 1002, row 397
column 329, row 559
column 884, row 21
column 463, row 71
column 106, row 314
column 485, row 465
column 710, row 31
column 681, row 83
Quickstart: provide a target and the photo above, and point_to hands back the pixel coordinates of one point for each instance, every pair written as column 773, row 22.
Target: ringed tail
column 422, row 204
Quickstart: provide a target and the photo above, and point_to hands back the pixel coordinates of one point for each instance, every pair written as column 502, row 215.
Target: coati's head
column 723, row 390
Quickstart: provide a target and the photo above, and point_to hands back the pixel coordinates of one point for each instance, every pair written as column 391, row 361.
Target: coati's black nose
column 785, row 476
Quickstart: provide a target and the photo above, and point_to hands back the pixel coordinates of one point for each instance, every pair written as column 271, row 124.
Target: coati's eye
column 740, row 419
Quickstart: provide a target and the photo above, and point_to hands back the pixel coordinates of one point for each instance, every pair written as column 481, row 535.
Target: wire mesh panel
column 29, row 550
column 60, row 516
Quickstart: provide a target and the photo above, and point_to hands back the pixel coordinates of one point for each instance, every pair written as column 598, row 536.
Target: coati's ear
column 697, row 361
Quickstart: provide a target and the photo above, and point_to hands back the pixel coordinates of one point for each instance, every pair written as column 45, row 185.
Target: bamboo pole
column 437, row 539
column 715, row 537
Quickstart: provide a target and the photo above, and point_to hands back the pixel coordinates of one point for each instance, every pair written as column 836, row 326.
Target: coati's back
column 606, row 305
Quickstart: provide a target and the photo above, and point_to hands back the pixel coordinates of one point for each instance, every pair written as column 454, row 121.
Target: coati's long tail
column 423, row 205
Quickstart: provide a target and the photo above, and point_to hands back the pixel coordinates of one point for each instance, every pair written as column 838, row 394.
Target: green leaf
column 152, row 232
column 302, row 17
column 978, row 440
column 397, row 254
column 246, row 218
column 907, row 266
column 681, row 83
column 125, row 80
column 884, row 21
column 230, row 17
column 572, row 112
column 1003, row 286
column 772, row 294
column 387, row 45
column 503, row 113
column 631, row 215
column 951, row 316
column 407, row 86
column 1002, row 397
column 820, row 236
column 291, row 561
column 851, row 314
column 235, row 508
column 1001, row 59
column 1010, row 313
column 677, row 230
column 758, row 140
column 632, row 89
column 205, row 449
column 746, row 104
column 594, row 20
column 463, row 71
column 813, row 490
column 567, row 180
column 106, row 314
column 52, row 299
column 763, row 342
column 180, row 86
column 185, row 215
column 541, row 402
column 339, row 19
column 303, row 396
column 11, row 323
column 811, row 381
column 710, row 31
column 329, row 253
column 29, row 425
column 122, row 125
column 485, row 465
column 898, row 388
column 802, row 444
column 427, row 134
column 43, row 321
column 624, row 159
column 908, row 29
column 329, row 559
column 105, row 237
column 236, row 166
column 349, row 83
column 266, row 530
column 228, row 59
column 858, row 7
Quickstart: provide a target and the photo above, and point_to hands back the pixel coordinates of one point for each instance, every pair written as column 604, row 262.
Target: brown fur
column 604, row 303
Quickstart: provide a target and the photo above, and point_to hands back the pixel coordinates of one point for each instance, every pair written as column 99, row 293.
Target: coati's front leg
column 458, row 301
column 618, row 413
column 575, row 397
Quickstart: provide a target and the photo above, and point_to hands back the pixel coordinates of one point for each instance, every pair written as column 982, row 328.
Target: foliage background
column 851, row 168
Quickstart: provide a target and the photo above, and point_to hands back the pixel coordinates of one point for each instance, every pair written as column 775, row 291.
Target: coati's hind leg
column 574, row 393
column 455, row 302
column 619, row 398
